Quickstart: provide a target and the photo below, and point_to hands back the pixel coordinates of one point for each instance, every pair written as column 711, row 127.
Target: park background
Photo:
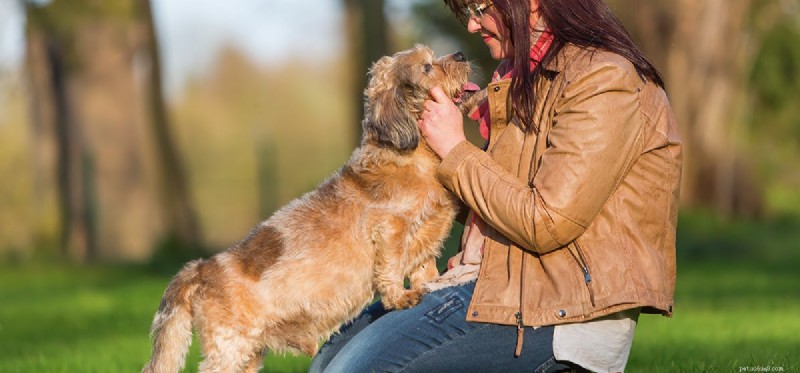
column 136, row 135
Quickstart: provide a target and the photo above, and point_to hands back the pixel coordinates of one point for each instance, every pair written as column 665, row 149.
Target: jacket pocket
column 580, row 258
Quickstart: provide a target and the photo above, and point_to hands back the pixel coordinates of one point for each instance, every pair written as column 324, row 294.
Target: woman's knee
column 336, row 342
column 397, row 338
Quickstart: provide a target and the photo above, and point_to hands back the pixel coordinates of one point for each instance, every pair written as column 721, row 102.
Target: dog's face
column 398, row 88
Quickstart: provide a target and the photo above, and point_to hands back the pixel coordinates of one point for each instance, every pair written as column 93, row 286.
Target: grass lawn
column 57, row 318
column 737, row 309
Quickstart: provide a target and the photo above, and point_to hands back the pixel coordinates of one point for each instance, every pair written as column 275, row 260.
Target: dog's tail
column 172, row 325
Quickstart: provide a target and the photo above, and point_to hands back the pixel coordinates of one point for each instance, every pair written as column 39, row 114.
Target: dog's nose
column 458, row 56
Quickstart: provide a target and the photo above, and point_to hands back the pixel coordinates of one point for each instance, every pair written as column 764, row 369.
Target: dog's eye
column 428, row 67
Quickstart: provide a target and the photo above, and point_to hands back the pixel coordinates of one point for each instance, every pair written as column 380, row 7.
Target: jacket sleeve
column 592, row 143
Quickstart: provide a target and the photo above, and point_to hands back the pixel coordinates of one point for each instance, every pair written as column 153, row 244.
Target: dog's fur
column 319, row 260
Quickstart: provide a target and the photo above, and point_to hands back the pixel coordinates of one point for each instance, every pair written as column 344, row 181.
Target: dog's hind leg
column 225, row 351
column 254, row 362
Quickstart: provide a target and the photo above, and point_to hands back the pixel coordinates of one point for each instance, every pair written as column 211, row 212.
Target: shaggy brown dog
column 319, row 260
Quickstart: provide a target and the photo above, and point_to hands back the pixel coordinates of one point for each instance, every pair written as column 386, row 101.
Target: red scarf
column 503, row 71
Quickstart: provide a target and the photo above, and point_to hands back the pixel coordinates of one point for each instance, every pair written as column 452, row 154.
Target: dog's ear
column 389, row 118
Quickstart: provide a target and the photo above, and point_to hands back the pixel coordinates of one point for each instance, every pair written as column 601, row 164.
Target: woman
column 573, row 205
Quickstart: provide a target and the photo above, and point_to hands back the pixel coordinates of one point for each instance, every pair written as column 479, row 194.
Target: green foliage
column 253, row 139
column 62, row 20
column 774, row 88
column 67, row 16
column 775, row 80
column 736, row 306
column 705, row 237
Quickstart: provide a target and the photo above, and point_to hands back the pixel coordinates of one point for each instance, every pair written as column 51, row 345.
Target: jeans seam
column 446, row 309
column 546, row 365
column 452, row 340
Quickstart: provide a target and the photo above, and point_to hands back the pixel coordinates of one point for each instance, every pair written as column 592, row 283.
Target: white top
column 599, row 345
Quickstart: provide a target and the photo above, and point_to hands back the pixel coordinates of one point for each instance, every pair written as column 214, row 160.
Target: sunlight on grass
column 731, row 311
column 63, row 319
column 723, row 322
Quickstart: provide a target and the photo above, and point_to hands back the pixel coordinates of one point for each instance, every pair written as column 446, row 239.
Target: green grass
column 737, row 307
column 56, row 318
column 727, row 316
column 737, row 301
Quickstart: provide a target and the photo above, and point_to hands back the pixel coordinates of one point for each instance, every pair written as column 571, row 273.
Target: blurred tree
column 100, row 126
column 367, row 32
column 710, row 52
column 256, row 137
column 181, row 216
column 774, row 123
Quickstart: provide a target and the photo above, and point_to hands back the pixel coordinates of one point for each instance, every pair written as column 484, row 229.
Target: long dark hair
column 586, row 23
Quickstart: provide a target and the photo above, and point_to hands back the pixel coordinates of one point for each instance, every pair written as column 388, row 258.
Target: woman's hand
column 441, row 123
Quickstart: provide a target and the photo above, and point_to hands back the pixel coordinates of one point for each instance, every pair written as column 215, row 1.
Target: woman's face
column 495, row 34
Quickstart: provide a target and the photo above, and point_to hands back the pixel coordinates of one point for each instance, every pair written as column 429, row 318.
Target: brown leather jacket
column 582, row 217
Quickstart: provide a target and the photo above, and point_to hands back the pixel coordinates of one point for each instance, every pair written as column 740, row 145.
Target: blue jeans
column 434, row 336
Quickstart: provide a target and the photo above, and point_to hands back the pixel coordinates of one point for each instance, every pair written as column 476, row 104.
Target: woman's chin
column 497, row 54
column 497, row 50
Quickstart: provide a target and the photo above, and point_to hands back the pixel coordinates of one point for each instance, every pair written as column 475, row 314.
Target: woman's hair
column 586, row 23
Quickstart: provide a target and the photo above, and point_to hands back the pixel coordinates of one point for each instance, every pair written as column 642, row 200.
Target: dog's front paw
column 405, row 299
column 472, row 101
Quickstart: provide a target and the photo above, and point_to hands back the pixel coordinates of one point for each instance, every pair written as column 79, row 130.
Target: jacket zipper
column 587, row 276
column 518, row 315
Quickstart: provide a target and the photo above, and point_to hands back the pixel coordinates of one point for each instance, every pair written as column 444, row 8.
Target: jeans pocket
column 450, row 305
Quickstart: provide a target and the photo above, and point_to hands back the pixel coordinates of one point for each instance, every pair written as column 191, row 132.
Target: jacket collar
column 552, row 68
column 559, row 63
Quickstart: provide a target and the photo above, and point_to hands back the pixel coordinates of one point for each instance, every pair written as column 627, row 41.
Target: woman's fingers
column 441, row 123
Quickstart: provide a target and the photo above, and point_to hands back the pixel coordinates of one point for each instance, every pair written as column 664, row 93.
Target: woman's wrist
column 446, row 146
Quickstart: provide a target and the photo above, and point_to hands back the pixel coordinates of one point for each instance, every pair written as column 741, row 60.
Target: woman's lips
column 486, row 38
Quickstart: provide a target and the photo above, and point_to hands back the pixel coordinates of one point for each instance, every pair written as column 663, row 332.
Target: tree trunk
column 182, row 221
column 708, row 67
column 367, row 32
column 97, row 87
column 702, row 49
column 58, row 143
